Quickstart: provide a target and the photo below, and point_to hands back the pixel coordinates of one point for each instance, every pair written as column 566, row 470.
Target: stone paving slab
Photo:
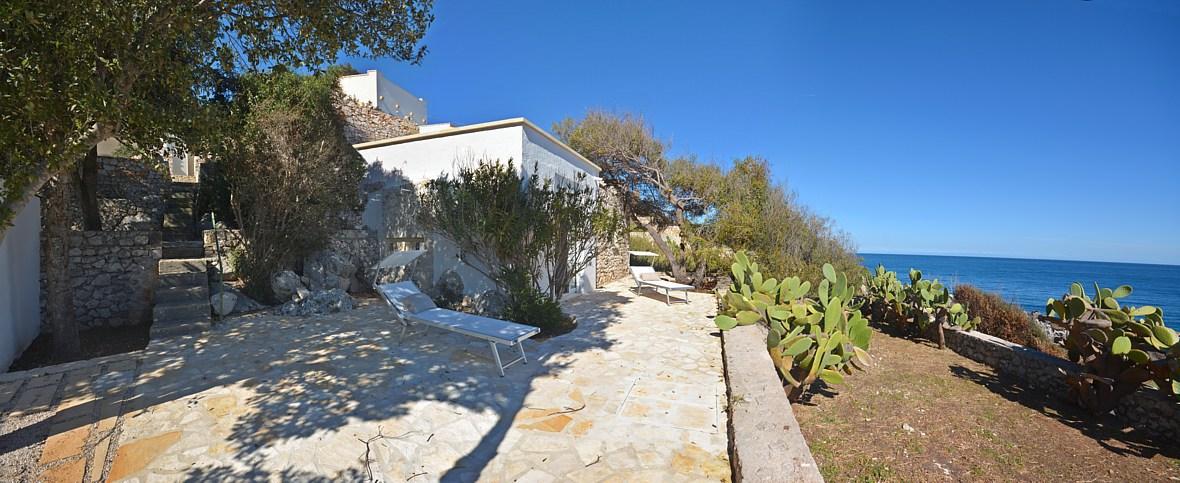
column 635, row 393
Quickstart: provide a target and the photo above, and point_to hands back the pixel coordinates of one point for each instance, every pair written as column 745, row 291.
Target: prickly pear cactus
column 1119, row 347
column 808, row 339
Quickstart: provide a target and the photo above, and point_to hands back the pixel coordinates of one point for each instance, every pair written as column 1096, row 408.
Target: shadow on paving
column 319, row 374
column 1102, row 428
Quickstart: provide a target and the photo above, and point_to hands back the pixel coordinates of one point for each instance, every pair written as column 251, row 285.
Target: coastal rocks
column 1056, row 334
column 317, row 303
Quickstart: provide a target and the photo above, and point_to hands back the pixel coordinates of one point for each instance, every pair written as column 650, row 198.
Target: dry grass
column 1004, row 319
column 921, row 414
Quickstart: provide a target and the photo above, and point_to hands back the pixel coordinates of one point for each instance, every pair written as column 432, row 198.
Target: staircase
column 182, row 292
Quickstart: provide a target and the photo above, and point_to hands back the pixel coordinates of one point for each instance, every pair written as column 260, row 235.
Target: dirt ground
column 921, row 414
column 94, row 343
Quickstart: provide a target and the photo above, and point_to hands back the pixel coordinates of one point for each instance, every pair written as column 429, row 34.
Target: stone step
column 178, row 220
column 171, row 295
column 183, row 279
column 183, row 265
column 179, row 234
column 188, row 310
column 183, row 249
column 163, row 330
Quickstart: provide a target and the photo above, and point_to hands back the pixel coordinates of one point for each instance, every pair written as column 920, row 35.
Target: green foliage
column 920, row 307
column 710, row 259
column 290, row 172
column 76, row 72
column 1119, row 347
column 716, row 209
column 529, row 306
column 1003, row 319
column 521, row 232
column 766, row 219
column 808, row 338
column 506, row 223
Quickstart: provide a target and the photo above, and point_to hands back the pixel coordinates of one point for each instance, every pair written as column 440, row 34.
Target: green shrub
column 1004, row 319
column 808, row 338
column 290, row 172
column 529, row 306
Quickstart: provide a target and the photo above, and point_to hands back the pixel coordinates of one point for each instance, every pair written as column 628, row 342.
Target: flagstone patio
column 635, row 393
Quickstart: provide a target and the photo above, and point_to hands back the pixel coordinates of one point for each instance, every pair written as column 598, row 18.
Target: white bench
column 668, row 287
column 411, row 305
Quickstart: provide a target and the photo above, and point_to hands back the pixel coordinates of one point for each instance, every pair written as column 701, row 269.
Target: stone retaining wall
column 612, row 264
column 1146, row 410
column 113, row 275
column 764, row 437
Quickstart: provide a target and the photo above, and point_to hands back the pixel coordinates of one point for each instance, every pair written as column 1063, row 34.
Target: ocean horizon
column 1030, row 282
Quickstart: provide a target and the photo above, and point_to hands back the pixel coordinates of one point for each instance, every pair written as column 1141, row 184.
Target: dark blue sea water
column 1030, row 282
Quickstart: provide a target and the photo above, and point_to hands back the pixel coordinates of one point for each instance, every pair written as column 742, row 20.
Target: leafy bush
column 529, row 306
column 531, row 237
column 1004, row 319
column 808, row 338
column 1119, row 347
column 290, row 172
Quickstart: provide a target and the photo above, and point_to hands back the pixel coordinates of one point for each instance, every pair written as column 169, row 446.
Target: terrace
column 636, row 392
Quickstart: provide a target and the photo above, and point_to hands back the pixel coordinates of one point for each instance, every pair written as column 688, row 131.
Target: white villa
column 441, row 148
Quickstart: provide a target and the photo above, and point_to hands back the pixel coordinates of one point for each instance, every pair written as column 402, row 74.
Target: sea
column 1029, row 283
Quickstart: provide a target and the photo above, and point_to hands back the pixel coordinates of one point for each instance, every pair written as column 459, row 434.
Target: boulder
column 318, row 303
column 284, row 283
column 223, row 303
column 327, row 270
column 300, row 294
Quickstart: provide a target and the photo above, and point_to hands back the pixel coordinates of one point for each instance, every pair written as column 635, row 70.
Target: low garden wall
column 765, row 441
column 1146, row 410
column 113, row 275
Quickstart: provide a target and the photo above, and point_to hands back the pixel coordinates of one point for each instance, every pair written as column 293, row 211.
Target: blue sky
column 1022, row 128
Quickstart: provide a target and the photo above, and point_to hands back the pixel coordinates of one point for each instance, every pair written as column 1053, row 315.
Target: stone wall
column 130, row 194
column 613, row 263
column 357, row 246
column 113, row 275
column 764, row 437
column 364, row 123
column 362, row 250
column 1146, row 410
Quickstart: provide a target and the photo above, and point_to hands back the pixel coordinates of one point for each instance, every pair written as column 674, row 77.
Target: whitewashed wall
column 375, row 89
column 20, row 287
column 425, row 159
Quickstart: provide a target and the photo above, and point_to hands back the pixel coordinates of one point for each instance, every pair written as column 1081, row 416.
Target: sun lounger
column 411, row 305
column 638, row 274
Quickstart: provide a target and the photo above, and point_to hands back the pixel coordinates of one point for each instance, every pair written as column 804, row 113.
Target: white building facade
column 441, row 149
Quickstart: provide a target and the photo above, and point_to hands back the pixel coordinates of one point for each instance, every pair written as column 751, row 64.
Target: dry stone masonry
column 364, row 123
column 1146, row 410
column 113, row 277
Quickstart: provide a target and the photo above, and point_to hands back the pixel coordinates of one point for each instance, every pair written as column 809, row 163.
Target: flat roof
column 470, row 128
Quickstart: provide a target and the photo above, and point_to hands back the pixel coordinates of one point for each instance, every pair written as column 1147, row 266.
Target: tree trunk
column 678, row 271
column 60, row 301
column 86, row 182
